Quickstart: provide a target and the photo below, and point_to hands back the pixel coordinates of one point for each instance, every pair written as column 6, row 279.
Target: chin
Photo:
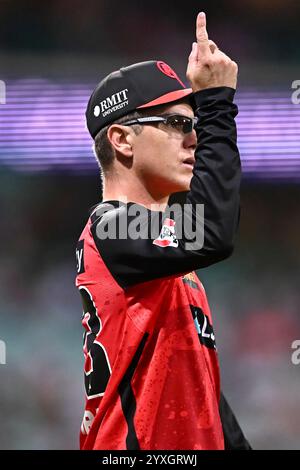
column 178, row 186
column 184, row 185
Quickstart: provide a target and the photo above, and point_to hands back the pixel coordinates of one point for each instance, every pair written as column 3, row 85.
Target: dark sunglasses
column 179, row 122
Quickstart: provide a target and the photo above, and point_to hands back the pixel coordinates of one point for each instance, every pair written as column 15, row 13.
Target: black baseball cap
column 137, row 86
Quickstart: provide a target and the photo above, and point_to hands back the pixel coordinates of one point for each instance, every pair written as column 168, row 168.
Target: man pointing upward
column 151, row 365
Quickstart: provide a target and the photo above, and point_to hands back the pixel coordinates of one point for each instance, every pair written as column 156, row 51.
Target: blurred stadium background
column 52, row 54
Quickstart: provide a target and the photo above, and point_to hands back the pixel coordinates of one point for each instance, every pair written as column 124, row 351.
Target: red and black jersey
column 151, row 367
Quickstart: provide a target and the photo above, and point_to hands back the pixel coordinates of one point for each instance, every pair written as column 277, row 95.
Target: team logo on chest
column 167, row 235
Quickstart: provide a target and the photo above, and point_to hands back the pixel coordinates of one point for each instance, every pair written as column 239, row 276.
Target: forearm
column 217, row 170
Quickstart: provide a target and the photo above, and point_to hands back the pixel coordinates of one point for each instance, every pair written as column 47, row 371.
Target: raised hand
column 208, row 67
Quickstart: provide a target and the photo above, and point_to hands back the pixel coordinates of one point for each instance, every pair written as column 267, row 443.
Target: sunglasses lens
column 181, row 123
column 187, row 126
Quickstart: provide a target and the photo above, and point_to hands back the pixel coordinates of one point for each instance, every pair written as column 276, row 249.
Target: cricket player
column 151, row 366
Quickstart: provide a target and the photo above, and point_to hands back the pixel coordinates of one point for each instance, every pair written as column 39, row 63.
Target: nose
column 190, row 140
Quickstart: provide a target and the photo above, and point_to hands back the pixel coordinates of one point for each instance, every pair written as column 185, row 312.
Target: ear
column 121, row 138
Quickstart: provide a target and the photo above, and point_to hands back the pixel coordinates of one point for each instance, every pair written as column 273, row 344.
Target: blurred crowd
column 252, row 29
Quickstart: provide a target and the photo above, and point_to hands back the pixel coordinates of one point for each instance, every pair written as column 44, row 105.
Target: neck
column 132, row 191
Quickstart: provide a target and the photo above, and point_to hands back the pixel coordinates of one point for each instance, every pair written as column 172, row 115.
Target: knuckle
column 205, row 59
column 209, row 62
column 222, row 60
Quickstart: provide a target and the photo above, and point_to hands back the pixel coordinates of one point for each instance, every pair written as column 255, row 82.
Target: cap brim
column 168, row 98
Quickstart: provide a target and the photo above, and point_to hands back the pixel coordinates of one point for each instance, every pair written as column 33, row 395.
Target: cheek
column 150, row 156
column 158, row 157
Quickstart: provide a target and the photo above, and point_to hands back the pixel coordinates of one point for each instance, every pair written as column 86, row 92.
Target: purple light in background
column 42, row 128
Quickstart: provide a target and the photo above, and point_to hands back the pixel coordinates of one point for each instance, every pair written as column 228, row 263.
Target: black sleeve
column 215, row 184
column 234, row 438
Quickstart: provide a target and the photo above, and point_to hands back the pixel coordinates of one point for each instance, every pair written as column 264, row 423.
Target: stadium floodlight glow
column 48, row 118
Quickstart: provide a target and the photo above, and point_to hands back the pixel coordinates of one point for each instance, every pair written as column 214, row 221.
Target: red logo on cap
column 166, row 69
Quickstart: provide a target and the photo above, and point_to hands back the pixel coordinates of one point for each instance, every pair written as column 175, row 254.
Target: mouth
column 189, row 162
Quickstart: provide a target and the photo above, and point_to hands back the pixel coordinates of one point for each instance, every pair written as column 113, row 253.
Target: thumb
column 194, row 53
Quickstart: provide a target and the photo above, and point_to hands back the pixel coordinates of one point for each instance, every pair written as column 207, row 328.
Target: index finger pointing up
column 201, row 32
